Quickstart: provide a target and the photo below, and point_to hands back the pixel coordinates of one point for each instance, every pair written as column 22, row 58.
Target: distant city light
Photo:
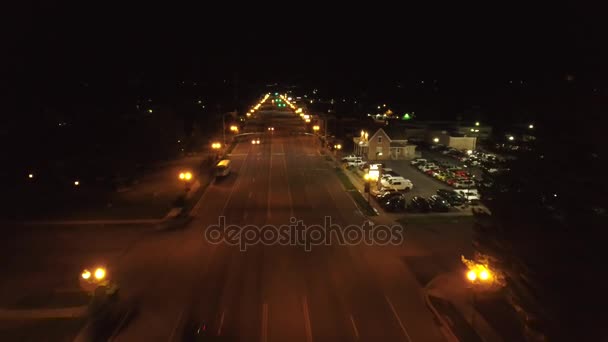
column 477, row 123
column 149, row 110
column 30, row 176
column 76, row 183
column 511, row 138
column 531, row 126
column 436, row 140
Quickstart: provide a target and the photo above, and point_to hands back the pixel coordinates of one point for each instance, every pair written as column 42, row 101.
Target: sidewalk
column 451, row 300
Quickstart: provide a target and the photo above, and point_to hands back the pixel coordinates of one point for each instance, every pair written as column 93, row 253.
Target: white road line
column 264, row 336
column 356, row 332
column 219, row 329
column 398, row 319
column 268, row 213
column 307, row 320
column 174, row 331
column 234, row 186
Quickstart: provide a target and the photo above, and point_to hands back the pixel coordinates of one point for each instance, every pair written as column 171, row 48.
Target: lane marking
column 177, row 324
column 264, row 336
column 219, row 329
column 307, row 320
column 268, row 213
column 352, row 321
column 398, row 319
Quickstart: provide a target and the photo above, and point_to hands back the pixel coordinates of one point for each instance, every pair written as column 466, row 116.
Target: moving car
column 255, row 141
column 437, row 203
column 222, row 168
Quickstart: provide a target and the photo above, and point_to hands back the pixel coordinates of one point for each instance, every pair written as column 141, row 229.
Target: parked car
column 419, row 204
column 355, row 163
column 471, row 195
column 440, row 176
column 452, row 197
column 463, row 184
column 379, row 193
column 398, row 183
column 350, row 157
column 437, row 203
column 394, row 203
column 418, row 161
column 388, row 194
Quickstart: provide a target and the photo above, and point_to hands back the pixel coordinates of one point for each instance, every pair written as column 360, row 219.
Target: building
column 387, row 143
column 454, row 140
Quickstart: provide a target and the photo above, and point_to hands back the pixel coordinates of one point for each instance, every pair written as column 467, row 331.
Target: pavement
column 270, row 291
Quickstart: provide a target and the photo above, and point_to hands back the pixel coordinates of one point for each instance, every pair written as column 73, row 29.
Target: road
column 274, row 292
column 268, row 292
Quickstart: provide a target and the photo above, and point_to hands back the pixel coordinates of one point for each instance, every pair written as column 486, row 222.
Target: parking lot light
column 531, row 126
column 511, row 138
column 76, row 183
column 30, row 176
column 435, row 140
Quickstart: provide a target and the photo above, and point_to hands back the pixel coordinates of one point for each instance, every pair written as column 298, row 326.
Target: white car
column 418, row 161
column 463, row 184
column 471, row 195
column 429, row 166
column 398, row 183
column 350, row 157
column 356, row 162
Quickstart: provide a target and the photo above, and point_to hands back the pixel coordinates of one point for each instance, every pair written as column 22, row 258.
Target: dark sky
column 48, row 42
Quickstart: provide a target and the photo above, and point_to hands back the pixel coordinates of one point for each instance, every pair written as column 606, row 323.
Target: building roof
column 395, row 132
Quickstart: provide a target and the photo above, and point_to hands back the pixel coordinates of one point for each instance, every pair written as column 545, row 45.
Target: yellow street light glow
column 187, row 176
column 484, row 275
column 471, row 275
column 248, row 114
column 86, row 274
column 182, row 176
column 315, row 127
column 339, row 147
column 367, row 176
column 307, row 120
column 436, row 140
column 477, row 123
column 76, row 183
column 216, row 145
column 100, row 273
column 531, row 126
column 31, row 175
column 234, row 128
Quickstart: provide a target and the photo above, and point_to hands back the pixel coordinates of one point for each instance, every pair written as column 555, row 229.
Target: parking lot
column 424, row 185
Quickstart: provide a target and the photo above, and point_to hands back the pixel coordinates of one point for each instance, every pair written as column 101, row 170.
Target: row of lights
column 257, row 106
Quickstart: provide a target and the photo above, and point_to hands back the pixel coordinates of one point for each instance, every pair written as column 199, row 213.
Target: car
column 389, row 181
column 452, row 197
column 440, row 176
column 350, row 157
column 418, row 161
column 255, row 141
column 379, row 193
column 399, row 184
column 419, row 204
column 427, row 166
column 438, row 203
column 471, row 195
column 394, row 203
column 388, row 194
column 355, row 163
column 463, row 184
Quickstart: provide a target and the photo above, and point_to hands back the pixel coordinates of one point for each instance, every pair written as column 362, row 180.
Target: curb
column 443, row 324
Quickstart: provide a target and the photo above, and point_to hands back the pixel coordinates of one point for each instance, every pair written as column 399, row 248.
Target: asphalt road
column 271, row 292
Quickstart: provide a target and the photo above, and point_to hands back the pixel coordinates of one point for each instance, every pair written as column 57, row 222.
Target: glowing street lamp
column 338, row 147
column 471, row 275
column 531, row 126
column 315, row 128
column 76, row 183
column 234, row 128
column 477, row 123
column 307, row 120
column 511, row 138
column 216, row 146
column 435, row 140
column 30, row 176
column 100, row 273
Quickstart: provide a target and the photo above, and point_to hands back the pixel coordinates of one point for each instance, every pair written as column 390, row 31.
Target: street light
column 30, row 176
column 511, row 138
column 86, row 274
column 307, row 120
column 338, row 147
column 531, row 126
column 100, row 273
column 76, row 183
column 477, row 123
column 435, row 140
column 216, row 145
column 315, row 128
column 234, row 128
